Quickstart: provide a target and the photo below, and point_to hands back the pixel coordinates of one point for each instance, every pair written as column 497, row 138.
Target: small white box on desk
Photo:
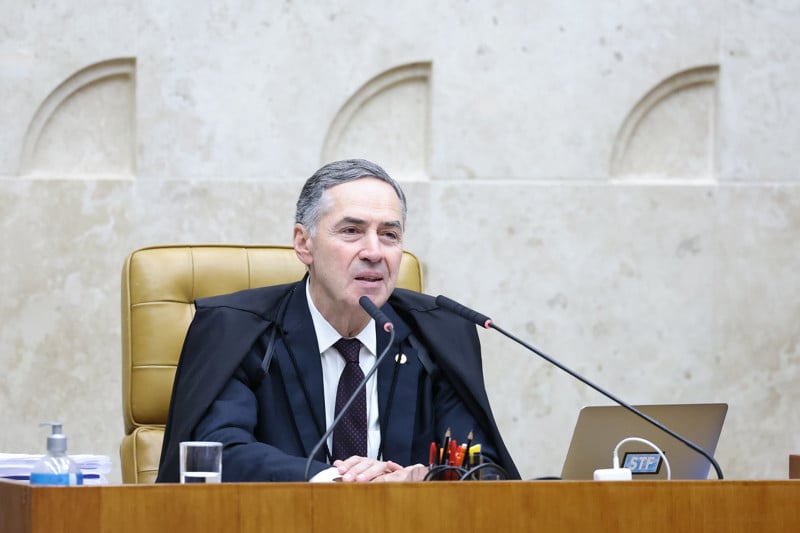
column 613, row 474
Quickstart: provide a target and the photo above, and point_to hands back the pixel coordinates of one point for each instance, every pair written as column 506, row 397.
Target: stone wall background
column 615, row 182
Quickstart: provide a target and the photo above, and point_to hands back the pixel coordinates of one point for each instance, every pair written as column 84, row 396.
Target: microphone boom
column 482, row 320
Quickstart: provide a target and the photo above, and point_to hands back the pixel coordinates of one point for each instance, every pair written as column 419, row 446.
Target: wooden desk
column 653, row 506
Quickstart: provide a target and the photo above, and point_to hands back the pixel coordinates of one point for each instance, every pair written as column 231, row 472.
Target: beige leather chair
column 159, row 286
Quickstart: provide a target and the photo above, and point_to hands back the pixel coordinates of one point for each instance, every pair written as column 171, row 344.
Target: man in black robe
column 259, row 368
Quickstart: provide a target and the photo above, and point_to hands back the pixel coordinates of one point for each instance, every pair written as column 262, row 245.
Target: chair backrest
column 159, row 287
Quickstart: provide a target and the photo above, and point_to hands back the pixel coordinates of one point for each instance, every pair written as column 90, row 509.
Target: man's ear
column 302, row 244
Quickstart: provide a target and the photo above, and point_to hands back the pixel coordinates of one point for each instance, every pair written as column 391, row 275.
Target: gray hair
column 311, row 205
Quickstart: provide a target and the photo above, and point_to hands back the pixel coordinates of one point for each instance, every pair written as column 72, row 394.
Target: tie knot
column 349, row 348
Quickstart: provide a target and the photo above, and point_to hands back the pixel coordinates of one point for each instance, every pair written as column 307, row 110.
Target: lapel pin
column 401, row 358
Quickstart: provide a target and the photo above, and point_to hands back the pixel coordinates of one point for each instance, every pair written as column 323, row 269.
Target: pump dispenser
column 56, row 468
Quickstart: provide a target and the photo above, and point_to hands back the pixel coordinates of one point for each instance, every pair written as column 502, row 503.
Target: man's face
column 357, row 246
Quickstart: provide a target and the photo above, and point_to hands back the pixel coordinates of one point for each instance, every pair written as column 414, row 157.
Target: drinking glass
column 201, row 462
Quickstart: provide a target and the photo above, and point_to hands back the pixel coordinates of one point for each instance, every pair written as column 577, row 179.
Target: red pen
column 461, row 453
column 451, row 459
column 434, row 452
column 451, row 453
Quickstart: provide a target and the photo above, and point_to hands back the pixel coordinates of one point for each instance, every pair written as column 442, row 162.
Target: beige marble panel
column 43, row 44
column 63, row 246
column 386, row 120
column 248, row 89
column 544, row 86
column 759, row 84
column 85, row 127
column 670, row 133
column 757, row 324
column 626, row 285
column 659, row 294
column 237, row 89
column 244, row 89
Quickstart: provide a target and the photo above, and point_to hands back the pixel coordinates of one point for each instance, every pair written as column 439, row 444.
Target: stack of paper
column 19, row 466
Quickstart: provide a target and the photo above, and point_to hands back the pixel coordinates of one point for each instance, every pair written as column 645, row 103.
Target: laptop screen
column 600, row 428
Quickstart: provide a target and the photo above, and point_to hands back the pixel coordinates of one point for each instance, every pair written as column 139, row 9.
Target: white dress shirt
column 333, row 364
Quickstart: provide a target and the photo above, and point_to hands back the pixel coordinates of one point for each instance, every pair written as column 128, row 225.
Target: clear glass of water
column 201, row 462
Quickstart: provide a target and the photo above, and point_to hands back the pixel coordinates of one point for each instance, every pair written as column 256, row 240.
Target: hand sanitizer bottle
column 56, row 468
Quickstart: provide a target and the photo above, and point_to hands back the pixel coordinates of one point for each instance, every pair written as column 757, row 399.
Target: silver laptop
column 600, row 428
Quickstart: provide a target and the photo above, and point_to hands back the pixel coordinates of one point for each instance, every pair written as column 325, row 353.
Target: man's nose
column 371, row 250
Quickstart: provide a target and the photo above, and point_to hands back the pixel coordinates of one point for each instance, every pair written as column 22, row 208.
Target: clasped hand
column 363, row 470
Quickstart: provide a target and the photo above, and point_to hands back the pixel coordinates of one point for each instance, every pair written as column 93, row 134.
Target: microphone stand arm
column 659, row 425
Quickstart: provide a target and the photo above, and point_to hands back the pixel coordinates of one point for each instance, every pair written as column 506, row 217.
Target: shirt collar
column 327, row 335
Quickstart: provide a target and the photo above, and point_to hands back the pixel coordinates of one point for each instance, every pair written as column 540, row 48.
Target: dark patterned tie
column 350, row 436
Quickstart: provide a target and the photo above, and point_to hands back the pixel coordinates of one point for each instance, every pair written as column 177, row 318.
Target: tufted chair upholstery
column 159, row 286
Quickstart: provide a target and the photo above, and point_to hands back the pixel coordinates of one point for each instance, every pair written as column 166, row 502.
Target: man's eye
column 350, row 231
column 391, row 235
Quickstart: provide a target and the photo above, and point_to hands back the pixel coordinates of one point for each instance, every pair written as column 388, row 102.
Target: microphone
column 373, row 311
column 382, row 320
column 486, row 322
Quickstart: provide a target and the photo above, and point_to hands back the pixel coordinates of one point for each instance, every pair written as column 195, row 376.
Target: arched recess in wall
column 85, row 127
column 670, row 132
column 387, row 121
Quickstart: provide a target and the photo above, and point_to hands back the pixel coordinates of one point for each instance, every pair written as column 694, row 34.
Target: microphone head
column 463, row 311
column 373, row 311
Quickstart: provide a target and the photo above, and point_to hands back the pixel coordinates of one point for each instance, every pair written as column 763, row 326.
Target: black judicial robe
column 279, row 417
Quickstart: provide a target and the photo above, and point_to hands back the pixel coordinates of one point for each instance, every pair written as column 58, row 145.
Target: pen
column 469, row 443
column 451, row 459
column 445, row 447
column 461, row 454
column 433, row 454
column 451, row 452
